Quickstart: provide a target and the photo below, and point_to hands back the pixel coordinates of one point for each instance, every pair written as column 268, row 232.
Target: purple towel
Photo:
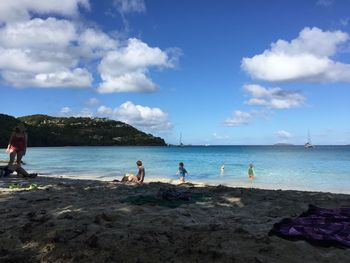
column 320, row 226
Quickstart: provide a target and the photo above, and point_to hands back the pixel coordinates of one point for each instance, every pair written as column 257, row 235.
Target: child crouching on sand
column 139, row 177
column 182, row 171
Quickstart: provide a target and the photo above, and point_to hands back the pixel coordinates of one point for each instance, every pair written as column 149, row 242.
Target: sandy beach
column 66, row 220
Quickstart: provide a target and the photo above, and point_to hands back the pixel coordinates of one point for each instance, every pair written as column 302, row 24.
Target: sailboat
column 308, row 144
column 180, row 142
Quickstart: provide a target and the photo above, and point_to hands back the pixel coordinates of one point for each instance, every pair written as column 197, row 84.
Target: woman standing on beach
column 17, row 146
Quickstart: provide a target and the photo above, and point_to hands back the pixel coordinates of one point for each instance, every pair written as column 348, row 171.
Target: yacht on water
column 180, row 142
column 308, row 144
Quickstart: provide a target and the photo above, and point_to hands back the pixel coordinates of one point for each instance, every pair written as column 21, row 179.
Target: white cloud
column 129, row 6
column 284, row 135
column 20, row 10
column 239, row 118
column 59, row 52
column 92, row 101
column 344, row 21
column 77, row 78
column 137, row 115
column 37, row 46
column 325, row 3
column 49, row 33
column 38, row 53
column 217, row 136
column 103, row 110
column 125, row 70
column 275, row 98
column 128, row 82
column 93, row 43
column 306, row 58
column 65, row 111
column 84, row 112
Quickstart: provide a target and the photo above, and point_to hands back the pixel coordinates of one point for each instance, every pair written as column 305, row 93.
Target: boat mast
column 308, row 137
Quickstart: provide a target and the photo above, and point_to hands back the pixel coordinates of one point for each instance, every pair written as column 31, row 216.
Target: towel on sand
column 320, row 226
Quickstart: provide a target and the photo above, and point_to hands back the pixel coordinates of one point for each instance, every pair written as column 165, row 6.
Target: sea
column 323, row 168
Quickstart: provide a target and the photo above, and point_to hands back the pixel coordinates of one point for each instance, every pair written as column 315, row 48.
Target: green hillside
column 45, row 130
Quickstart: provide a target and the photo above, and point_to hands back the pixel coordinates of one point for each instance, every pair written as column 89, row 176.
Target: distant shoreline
column 187, row 146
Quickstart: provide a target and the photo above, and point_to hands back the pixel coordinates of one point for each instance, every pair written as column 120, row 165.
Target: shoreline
column 76, row 220
column 233, row 183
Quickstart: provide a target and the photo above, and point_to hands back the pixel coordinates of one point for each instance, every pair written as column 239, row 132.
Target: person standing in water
column 17, row 146
column 251, row 173
column 222, row 169
column 182, row 171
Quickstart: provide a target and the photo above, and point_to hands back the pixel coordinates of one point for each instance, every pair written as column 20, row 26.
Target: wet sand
column 67, row 220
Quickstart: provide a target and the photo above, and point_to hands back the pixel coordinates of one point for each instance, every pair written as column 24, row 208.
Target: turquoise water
column 324, row 168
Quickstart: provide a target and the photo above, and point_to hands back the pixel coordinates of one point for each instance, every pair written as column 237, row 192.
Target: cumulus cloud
column 284, row 135
column 49, row 52
column 38, row 33
column 104, row 110
column 325, row 3
column 307, row 58
column 20, row 10
column 93, row 43
column 77, row 78
column 130, row 6
column 125, row 70
column 239, row 118
column 65, row 111
column 38, row 53
column 128, row 82
column 137, row 115
column 92, row 101
column 85, row 113
column 275, row 98
column 38, row 46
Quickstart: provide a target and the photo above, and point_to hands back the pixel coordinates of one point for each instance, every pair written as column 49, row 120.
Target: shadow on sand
column 92, row 221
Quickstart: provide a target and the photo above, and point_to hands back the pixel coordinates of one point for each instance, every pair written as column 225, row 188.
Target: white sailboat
column 180, row 142
column 308, row 144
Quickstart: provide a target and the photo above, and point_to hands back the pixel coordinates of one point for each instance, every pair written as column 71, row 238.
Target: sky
column 218, row 72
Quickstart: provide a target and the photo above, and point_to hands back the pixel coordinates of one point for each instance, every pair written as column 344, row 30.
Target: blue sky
column 219, row 72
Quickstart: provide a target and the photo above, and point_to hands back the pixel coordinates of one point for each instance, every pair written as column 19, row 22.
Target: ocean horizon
column 323, row 168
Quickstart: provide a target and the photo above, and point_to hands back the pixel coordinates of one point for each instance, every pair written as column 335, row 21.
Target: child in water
column 182, row 171
column 251, row 173
column 222, row 169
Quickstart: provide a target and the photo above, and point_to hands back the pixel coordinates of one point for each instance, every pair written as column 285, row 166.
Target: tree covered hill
column 45, row 130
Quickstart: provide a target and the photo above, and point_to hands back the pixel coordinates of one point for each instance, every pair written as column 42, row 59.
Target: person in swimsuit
column 141, row 172
column 222, row 169
column 139, row 177
column 182, row 171
column 251, row 173
column 17, row 146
